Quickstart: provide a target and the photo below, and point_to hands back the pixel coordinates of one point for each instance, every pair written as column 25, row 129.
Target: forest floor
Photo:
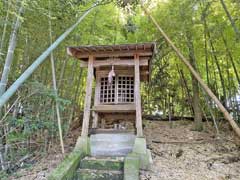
column 179, row 153
column 44, row 165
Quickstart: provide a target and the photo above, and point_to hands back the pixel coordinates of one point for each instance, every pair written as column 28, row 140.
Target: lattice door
column 107, row 92
column 125, row 89
column 121, row 90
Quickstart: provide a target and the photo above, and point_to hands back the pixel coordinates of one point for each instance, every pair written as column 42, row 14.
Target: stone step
column 108, row 163
column 111, row 144
column 90, row 174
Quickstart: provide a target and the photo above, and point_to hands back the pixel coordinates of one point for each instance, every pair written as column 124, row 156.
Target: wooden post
column 87, row 103
column 95, row 120
column 137, row 96
column 96, row 102
column 103, row 123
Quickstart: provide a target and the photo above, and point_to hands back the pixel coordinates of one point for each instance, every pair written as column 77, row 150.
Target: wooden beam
column 87, row 103
column 119, row 62
column 129, row 72
column 115, row 108
column 127, row 116
column 125, row 53
column 115, row 62
column 137, row 96
column 105, row 73
column 86, row 49
column 110, row 131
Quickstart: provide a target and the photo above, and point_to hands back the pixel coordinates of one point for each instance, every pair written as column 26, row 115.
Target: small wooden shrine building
column 117, row 71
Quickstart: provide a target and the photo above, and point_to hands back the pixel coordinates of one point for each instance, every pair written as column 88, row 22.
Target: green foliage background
column 113, row 23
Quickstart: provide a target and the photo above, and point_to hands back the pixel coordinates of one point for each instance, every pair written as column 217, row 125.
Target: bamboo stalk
column 55, row 86
column 236, row 30
column 14, row 87
column 195, row 74
column 10, row 53
column 4, row 30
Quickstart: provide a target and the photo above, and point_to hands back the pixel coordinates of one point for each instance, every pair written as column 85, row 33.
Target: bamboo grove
column 206, row 31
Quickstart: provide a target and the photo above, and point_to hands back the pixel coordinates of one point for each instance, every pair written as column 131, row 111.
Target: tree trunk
column 231, row 58
column 72, row 112
column 180, row 71
column 4, row 31
column 206, row 49
column 7, row 65
column 195, row 86
column 11, row 48
column 169, row 109
column 196, row 75
column 63, row 69
column 55, row 86
column 230, row 19
column 224, row 99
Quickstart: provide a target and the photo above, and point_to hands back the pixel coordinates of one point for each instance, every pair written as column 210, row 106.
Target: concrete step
column 108, row 163
column 111, row 144
column 90, row 174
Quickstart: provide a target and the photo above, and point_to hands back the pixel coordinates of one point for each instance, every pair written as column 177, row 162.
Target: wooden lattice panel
column 121, row 90
column 125, row 89
column 107, row 92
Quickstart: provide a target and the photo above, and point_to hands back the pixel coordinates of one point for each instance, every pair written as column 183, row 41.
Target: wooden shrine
column 116, row 72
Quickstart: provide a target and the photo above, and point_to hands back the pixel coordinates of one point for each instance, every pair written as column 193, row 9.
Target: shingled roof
column 106, row 51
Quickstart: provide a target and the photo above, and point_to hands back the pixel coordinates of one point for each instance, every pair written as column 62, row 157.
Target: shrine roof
column 107, row 51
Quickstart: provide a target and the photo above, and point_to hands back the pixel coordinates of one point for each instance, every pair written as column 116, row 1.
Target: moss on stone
column 67, row 168
column 131, row 167
column 86, row 174
column 101, row 164
column 140, row 148
column 146, row 160
column 83, row 144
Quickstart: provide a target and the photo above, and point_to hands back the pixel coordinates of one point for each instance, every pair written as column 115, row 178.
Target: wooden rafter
column 82, row 52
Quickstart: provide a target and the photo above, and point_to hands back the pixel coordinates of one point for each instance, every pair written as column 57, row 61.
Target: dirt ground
column 182, row 154
column 179, row 153
column 46, row 164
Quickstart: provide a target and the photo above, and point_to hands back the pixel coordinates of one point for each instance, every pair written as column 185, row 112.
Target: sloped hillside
column 180, row 153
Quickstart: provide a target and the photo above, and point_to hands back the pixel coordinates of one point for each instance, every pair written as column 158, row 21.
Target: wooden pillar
column 87, row 103
column 103, row 123
column 96, row 102
column 137, row 96
column 95, row 120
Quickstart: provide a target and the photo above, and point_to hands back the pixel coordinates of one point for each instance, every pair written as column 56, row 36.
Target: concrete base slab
column 111, row 144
